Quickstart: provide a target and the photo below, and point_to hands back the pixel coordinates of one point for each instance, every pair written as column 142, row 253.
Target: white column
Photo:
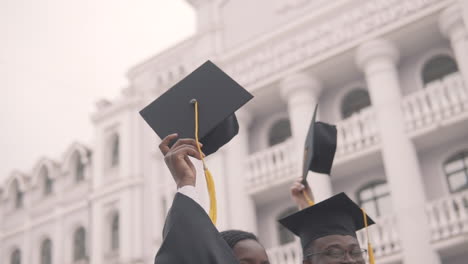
column 57, row 246
column 378, row 59
column 241, row 214
column 464, row 6
column 301, row 91
column 453, row 27
column 97, row 233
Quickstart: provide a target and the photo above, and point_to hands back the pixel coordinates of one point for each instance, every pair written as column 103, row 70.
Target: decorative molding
column 115, row 108
column 271, row 57
column 300, row 83
column 450, row 20
column 283, row 6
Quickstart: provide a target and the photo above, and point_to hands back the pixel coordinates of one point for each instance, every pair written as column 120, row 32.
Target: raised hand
column 297, row 193
column 178, row 161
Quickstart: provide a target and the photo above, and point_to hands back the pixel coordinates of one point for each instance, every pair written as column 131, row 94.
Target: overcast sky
column 58, row 57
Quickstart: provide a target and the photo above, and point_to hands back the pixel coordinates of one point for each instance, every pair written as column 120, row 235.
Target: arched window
column 115, row 232
column 456, row 171
column 438, row 67
column 79, row 244
column 19, row 195
column 375, row 198
column 115, row 153
column 46, row 252
column 47, row 181
column 15, row 257
column 354, row 102
column 284, row 235
column 279, row 132
column 79, row 169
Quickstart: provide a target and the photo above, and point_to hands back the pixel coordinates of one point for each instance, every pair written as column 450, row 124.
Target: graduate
column 246, row 247
column 194, row 119
column 327, row 230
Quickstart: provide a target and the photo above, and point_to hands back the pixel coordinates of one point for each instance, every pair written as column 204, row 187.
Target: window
column 375, row 198
column 115, row 233
column 48, row 182
column 279, row 132
column 456, row 171
column 284, row 235
column 79, row 169
column 115, row 154
column 18, row 195
column 79, row 244
column 46, row 252
column 438, row 67
column 15, row 257
column 354, row 102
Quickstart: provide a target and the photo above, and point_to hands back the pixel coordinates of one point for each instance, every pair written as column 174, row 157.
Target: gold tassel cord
column 308, row 199
column 208, row 177
column 370, row 251
column 304, row 192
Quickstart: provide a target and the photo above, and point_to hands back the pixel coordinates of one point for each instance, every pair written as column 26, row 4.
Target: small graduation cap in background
column 319, row 149
column 337, row 215
column 200, row 106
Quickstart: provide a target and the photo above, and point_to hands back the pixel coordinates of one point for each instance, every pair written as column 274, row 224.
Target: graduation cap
column 218, row 97
column 319, row 150
column 200, row 106
column 320, row 147
column 337, row 215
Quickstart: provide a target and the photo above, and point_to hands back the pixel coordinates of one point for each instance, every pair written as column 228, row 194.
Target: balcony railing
column 438, row 101
column 356, row 133
column 287, row 254
column 444, row 100
column 448, row 218
column 271, row 164
column 383, row 236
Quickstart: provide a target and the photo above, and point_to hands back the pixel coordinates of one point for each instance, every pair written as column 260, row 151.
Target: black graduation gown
column 189, row 236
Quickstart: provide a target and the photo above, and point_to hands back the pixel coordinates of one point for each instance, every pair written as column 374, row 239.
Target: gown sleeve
column 189, row 236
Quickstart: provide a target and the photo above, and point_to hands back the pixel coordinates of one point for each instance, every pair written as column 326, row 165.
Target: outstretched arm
column 297, row 193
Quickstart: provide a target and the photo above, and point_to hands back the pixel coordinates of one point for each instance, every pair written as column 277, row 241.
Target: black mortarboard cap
column 320, row 147
column 218, row 96
column 337, row 215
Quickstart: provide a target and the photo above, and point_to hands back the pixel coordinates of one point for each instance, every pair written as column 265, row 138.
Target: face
column 250, row 252
column 333, row 244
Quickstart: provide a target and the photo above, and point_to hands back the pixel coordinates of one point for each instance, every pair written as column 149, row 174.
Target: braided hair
column 232, row 237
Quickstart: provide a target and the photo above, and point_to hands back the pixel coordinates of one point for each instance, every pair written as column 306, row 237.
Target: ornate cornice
column 310, row 41
column 450, row 20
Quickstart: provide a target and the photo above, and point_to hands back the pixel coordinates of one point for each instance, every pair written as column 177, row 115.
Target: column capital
column 302, row 83
column 451, row 22
column 377, row 50
column 244, row 117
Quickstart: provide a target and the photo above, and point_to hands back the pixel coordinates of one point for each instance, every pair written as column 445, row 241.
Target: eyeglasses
column 338, row 253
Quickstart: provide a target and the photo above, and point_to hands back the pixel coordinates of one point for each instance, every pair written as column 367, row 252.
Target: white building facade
column 391, row 74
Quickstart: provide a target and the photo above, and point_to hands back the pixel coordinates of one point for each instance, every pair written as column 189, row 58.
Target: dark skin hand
column 297, row 193
column 178, row 161
column 249, row 251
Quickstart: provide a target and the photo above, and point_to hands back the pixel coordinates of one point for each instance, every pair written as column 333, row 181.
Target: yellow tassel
column 370, row 250
column 208, row 177
column 371, row 253
column 306, row 196
column 212, row 193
